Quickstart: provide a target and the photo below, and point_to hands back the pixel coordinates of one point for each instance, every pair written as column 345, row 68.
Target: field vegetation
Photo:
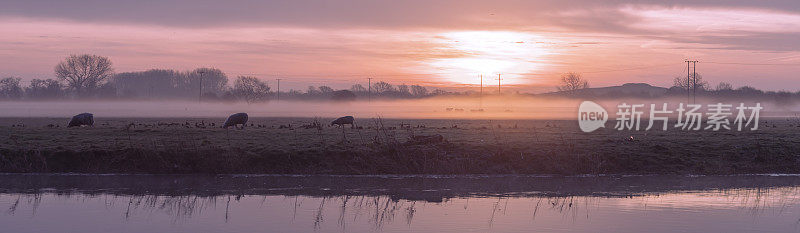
column 389, row 146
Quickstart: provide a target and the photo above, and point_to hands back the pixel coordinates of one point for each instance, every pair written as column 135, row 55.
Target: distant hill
column 628, row 89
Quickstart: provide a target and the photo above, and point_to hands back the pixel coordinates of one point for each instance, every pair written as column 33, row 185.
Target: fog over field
column 520, row 107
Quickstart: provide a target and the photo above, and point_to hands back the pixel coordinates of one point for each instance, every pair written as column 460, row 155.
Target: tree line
column 574, row 85
column 92, row 77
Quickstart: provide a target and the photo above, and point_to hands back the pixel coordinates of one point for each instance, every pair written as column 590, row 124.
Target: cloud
column 648, row 18
column 775, row 42
column 717, row 28
column 327, row 37
column 449, row 14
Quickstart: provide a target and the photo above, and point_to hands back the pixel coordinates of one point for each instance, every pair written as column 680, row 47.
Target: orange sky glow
column 426, row 43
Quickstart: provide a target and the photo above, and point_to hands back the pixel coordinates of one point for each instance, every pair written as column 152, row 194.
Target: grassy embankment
column 282, row 145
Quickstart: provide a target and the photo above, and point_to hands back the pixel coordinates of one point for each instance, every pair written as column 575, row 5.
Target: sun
column 489, row 53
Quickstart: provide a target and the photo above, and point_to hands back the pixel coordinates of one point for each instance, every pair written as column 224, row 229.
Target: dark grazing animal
column 236, row 119
column 341, row 121
column 82, row 119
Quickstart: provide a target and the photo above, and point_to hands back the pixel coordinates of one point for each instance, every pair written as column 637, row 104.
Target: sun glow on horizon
column 513, row 54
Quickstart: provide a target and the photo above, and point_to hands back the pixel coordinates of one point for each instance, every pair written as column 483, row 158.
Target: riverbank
column 386, row 146
column 433, row 188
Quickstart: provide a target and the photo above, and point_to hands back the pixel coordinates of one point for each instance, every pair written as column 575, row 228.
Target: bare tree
column 154, row 83
column 251, row 89
column 383, row 87
column 10, row 89
column 44, row 89
column 419, row 91
column 326, row 90
column 723, row 86
column 440, row 92
column 358, row 88
column 312, row 90
column 343, row 95
column 213, row 80
column 683, row 83
column 572, row 81
column 749, row 91
column 84, row 73
column 403, row 89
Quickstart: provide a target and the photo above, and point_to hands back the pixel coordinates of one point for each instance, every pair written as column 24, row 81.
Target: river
column 286, row 203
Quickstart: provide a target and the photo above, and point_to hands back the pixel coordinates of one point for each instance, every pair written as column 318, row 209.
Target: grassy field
column 389, row 146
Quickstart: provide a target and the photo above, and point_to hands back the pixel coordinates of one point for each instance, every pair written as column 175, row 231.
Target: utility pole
column 481, row 96
column 691, row 78
column 498, row 84
column 369, row 89
column 278, row 93
column 694, row 83
column 200, row 97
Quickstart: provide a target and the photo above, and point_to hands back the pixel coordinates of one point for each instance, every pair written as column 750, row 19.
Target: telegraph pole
column 369, row 89
column 278, row 93
column 691, row 77
column 498, row 84
column 200, row 97
column 481, row 96
column 694, row 82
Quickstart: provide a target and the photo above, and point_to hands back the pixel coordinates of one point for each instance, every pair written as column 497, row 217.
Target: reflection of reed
column 32, row 199
column 343, row 211
column 756, row 201
column 176, row 206
column 568, row 206
column 380, row 210
column 318, row 215
column 494, row 210
column 410, row 212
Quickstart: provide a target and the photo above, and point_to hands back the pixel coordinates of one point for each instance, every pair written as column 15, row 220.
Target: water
column 231, row 203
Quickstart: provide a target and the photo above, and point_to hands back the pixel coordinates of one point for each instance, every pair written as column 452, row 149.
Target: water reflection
column 127, row 203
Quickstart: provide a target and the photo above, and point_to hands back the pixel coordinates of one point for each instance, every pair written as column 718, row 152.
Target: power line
column 599, row 71
column 595, row 71
column 450, row 73
column 322, row 76
column 627, row 69
column 753, row 64
column 346, row 75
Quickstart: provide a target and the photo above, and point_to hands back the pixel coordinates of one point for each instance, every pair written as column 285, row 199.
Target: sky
column 436, row 43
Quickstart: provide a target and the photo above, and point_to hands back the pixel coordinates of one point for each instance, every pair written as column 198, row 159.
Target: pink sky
column 433, row 43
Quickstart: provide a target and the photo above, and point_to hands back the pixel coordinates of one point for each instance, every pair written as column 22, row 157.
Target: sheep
column 341, row 121
column 81, row 120
column 236, row 119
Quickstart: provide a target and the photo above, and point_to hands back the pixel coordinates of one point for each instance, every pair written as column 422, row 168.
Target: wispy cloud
column 435, row 42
